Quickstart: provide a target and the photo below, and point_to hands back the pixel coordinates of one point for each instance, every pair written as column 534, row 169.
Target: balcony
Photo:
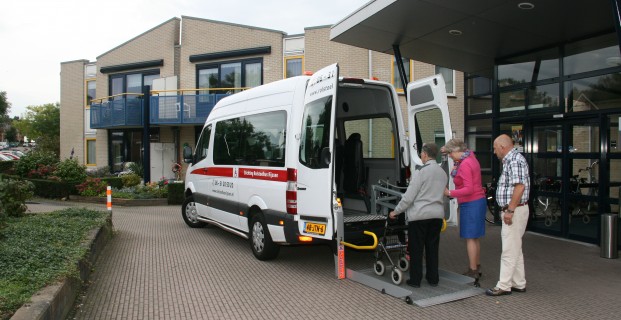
column 124, row 110
column 176, row 107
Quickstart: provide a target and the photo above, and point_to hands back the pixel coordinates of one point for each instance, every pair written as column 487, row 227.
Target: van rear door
column 428, row 121
column 315, row 174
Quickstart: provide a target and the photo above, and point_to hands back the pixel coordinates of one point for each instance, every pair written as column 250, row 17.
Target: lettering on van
column 322, row 89
column 225, row 184
column 271, row 175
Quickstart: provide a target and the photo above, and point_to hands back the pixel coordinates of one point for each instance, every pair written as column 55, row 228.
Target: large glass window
column 449, row 79
column 594, row 93
column 132, row 82
column 315, row 132
column 237, row 75
column 396, row 76
column 531, row 68
column 479, row 95
column 374, row 133
column 293, row 66
column 542, row 97
column 91, row 86
column 592, row 54
column 91, row 152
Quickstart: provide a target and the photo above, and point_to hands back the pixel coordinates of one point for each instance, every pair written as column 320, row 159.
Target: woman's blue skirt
column 472, row 219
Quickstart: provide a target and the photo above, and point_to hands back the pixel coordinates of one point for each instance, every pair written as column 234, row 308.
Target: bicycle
column 492, row 215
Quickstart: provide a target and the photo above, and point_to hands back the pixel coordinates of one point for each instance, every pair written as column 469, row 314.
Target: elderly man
column 512, row 196
column 423, row 201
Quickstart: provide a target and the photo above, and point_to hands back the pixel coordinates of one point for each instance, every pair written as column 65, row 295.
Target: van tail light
column 292, row 191
column 408, row 173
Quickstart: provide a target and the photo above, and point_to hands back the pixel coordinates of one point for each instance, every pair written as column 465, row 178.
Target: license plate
column 315, row 228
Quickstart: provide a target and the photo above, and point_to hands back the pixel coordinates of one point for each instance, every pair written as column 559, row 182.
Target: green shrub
column 13, row 196
column 114, row 182
column 99, row 172
column 52, row 189
column 137, row 168
column 7, row 166
column 70, row 171
column 92, row 187
column 175, row 193
column 130, row 180
column 32, row 160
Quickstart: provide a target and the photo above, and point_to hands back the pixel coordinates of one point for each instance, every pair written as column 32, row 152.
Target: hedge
column 114, row 182
column 6, row 166
column 52, row 189
column 175, row 193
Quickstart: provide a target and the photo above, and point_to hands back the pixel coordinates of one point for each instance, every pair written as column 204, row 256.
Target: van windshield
column 315, row 132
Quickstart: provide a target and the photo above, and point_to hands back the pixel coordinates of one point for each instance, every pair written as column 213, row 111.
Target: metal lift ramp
column 451, row 287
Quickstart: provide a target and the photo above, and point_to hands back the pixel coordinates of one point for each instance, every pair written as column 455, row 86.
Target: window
column 315, row 136
column 255, row 140
column 238, row 75
column 449, row 79
column 131, row 83
column 375, row 135
column 396, row 79
column 203, row 145
column 91, row 152
column 91, row 86
column 294, row 66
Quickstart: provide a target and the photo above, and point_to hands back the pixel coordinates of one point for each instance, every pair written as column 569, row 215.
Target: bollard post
column 608, row 244
column 109, row 198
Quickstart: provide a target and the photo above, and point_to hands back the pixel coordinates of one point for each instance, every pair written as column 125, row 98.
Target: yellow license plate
column 315, row 228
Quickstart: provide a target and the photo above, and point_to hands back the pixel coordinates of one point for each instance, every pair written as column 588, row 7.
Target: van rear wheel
column 190, row 214
column 260, row 239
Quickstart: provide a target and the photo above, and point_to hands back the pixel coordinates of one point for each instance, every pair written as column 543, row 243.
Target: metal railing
column 121, row 110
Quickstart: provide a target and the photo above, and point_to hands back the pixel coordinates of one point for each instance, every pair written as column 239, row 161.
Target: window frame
column 453, row 87
column 392, row 73
column 218, row 66
column 86, row 152
column 292, row 57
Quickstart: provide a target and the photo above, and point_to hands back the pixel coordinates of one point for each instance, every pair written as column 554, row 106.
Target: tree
column 42, row 124
column 5, row 107
column 11, row 134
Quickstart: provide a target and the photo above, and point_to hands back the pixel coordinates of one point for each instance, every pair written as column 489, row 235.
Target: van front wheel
column 190, row 214
column 260, row 240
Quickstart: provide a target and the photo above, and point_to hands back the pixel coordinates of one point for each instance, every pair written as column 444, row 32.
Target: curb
column 121, row 201
column 56, row 301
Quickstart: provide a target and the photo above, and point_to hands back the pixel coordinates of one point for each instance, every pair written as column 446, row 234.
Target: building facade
column 145, row 99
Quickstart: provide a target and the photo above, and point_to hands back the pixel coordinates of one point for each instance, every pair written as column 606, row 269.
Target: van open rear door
column 315, row 174
column 428, row 121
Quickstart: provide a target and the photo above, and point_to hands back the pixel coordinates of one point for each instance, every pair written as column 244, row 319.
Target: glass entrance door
column 565, row 160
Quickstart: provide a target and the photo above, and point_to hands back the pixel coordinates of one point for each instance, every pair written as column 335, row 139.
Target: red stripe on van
column 220, row 172
column 263, row 174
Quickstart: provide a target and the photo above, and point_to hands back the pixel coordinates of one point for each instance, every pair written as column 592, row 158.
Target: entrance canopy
column 471, row 35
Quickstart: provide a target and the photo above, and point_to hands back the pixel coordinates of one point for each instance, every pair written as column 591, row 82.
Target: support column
column 146, row 141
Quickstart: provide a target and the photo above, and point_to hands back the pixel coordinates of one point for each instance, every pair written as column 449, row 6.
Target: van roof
column 276, row 87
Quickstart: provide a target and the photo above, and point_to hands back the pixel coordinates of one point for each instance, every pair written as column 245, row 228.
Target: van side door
column 315, row 180
column 428, row 121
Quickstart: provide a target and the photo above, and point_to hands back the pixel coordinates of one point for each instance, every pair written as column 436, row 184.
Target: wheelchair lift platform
column 451, row 287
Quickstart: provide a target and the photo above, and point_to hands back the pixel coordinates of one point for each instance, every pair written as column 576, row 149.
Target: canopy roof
column 471, row 35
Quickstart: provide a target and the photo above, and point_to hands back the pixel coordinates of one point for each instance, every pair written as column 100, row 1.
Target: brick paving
column 157, row 268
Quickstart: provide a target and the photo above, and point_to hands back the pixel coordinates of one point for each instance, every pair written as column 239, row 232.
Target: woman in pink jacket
column 471, row 199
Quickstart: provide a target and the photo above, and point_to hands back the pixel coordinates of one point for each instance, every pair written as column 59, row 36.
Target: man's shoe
column 494, row 292
column 433, row 284
column 522, row 290
column 412, row 284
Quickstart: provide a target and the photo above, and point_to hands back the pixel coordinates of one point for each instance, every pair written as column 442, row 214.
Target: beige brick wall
column 72, row 109
column 201, row 36
column 319, row 52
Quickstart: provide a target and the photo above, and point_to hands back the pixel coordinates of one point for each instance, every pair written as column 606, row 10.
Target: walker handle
column 371, row 247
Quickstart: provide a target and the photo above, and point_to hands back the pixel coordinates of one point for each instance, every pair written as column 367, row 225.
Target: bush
column 130, row 180
column 13, row 196
column 42, row 172
column 99, row 172
column 114, row 182
column 137, row 168
column 7, row 166
column 92, row 187
column 51, row 188
column 70, row 171
column 175, row 193
column 32, row 160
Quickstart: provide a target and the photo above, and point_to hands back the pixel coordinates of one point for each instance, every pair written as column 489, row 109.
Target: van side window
column 203, row 144
column 315, row 132
column 381, row 145
column 226, row 142
column 264, row 139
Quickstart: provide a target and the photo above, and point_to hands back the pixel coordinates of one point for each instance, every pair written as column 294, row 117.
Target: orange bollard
column 109, row 195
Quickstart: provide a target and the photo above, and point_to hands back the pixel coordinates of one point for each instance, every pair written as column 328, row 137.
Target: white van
column 276, row 162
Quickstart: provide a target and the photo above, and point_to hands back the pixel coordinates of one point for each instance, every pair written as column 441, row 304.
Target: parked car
column 10, row 155
column 5, row 158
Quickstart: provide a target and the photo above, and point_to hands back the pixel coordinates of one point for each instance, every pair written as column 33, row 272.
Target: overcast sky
column 37, row 35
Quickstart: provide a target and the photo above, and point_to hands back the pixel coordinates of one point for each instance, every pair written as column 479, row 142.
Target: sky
column 37, row 35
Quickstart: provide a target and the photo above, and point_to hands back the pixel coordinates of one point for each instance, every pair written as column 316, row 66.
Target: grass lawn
column 39, row 249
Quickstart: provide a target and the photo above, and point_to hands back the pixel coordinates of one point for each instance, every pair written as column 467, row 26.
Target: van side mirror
column 187, row 154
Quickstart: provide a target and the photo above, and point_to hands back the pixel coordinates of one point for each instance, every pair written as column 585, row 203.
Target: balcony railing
column 123, row 110
column 184, row 106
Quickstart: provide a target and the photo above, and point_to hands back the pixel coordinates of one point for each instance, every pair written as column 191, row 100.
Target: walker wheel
column 379, row 267
column 403, row 264
column 408, row 300
column 396, row 276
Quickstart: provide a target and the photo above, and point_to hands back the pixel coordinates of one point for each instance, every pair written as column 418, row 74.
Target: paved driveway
column 157, row 268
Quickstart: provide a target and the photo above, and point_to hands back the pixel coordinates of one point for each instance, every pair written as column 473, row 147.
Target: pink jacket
column 468, row 186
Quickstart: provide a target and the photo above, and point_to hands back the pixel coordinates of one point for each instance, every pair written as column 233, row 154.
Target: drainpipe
column 146, row 143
